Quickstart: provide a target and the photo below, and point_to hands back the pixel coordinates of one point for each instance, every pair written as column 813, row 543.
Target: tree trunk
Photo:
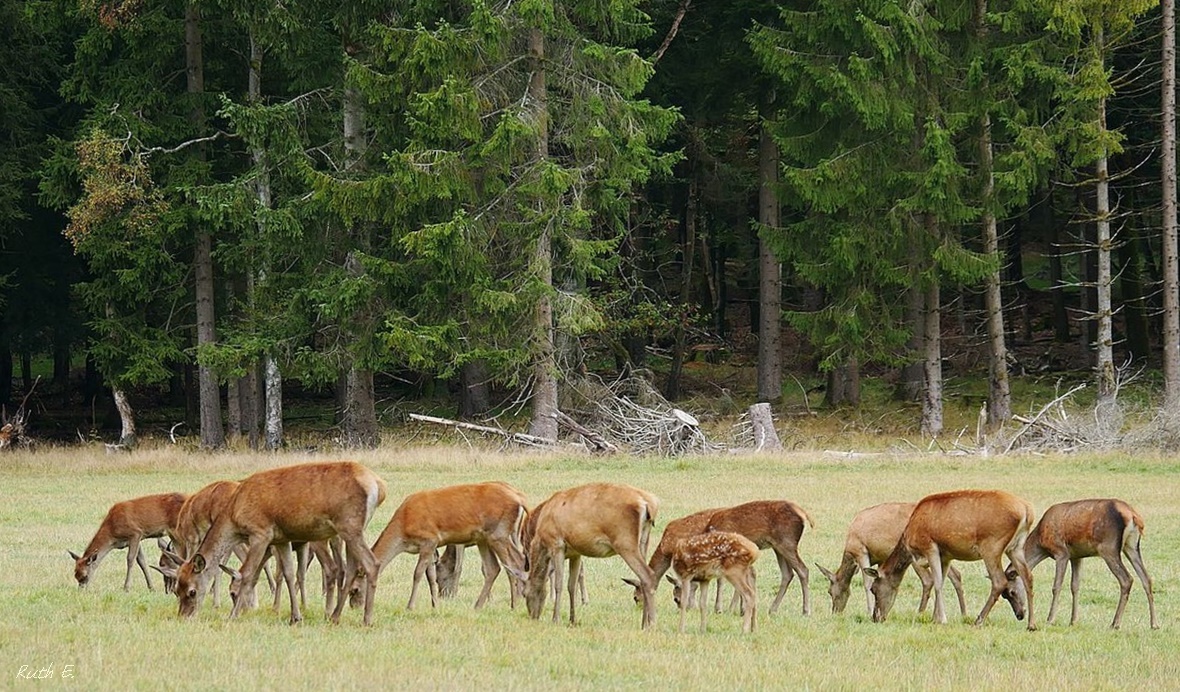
column 359, row 416
column 544, row 416
column 765, row 436
column 999, row 400
column 212, row 430
column 1171, row 345
column 474, row 400
column 61, row 363
column 687, row 260
column 843, row 387
column 932, row 350
column 770, row 270
column 912, row 381
column 127, row 436
column 1104, row 345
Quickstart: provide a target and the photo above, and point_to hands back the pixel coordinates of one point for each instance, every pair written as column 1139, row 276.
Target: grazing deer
column 871, row 536
column 1070, row 531
column 306, row 502
column 661, row 558
column 708, row 556
column 594, row 520
column 774, row 524
column 962, row 525
column 125, row 525
column 488, row 515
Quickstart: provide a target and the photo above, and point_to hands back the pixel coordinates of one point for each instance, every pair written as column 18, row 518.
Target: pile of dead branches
column 1061, row 427
column 12, row 430
column 631, row 413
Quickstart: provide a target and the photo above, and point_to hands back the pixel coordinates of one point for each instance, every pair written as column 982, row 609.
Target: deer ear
column 826, row 572
column 199, row 563
column 237, row 576
column 74, row 555
column 872, row 572
column 671, row 580
column 630, row 582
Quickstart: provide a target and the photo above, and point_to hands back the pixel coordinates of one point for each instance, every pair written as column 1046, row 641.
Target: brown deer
column 962, row 525
column 774, row 524
column 708, row 556
column 595, row 520
column 661, row 558
column 1070, row 531
column 305, row 502
column 125, row 525
column 871, row 536
column 488, row 515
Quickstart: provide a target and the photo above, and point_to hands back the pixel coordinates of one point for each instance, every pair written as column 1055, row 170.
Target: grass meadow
column 103, row 638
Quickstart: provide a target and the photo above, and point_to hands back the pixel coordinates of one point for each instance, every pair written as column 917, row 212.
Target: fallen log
column 522, row 438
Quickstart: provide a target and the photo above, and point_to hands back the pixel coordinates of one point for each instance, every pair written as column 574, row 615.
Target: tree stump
column 765, row 436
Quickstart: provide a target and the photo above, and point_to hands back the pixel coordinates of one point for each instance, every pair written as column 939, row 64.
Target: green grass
column 54, row 500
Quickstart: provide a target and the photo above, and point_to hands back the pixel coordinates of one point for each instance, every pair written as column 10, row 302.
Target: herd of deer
column 323, row 508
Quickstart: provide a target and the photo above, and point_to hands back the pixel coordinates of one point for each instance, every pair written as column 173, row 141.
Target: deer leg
column 635, row 561
column 280, row 573
column 257, row 548
column 1119, row 570
column 491, row 570
column 349, row 567
column 785, row 580
column 1136, row 558
column 133, row 547
column 290, row 576
column 999, row 582
column 685, row 585
column 507, row 553
column 927, row 580
column 301, row 555
column 558, row 582
column 363, row 565
column 717, row 599
column 790, row 553
column 957, row 582
column 743, row 583
column 702, row 605
column 575, row 574
column 425, row 557
column 1059, row 564
column 938, row 566
column 1075, row 582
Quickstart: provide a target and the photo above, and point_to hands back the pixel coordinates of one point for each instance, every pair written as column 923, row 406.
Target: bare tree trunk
column 212, row 431
column 127, row 436
column 1168, row 173
column 544, row 420
column 932, row 364
column 999, row 401
column 1105, row 342
column 770, row 270
column 359, row 417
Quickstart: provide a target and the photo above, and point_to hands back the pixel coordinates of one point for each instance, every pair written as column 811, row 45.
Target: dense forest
column 212, row 204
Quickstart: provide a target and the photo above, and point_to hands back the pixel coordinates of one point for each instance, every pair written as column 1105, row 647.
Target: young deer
column 708, row 556
column 962, row 525
column 594, row 520
column 1070, row 531
column 125, row 525
column 488, row 515
column 774, row 524
column 871, row 536
column 306, row 502
column 661, row 558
